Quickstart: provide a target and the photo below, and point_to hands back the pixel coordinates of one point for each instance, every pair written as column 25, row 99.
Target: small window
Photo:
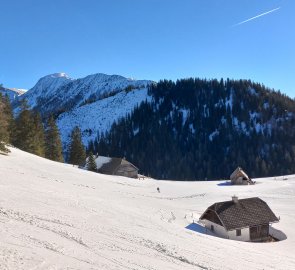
column 238, row 232
column 212, row 228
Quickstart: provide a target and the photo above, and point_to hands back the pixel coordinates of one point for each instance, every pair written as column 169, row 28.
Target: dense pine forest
column 198, row 129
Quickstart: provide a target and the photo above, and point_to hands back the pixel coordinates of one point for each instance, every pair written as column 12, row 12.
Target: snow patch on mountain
column 58, row 92
column 45, row 87
column 12, row 93
column 213, row 135
column 100, row 115
column 100, row 85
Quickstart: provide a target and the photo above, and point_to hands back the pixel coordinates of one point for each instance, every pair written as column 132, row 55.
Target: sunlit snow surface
column 92, row 103
column 56, row 216
column 100, row 115
column 12, row 93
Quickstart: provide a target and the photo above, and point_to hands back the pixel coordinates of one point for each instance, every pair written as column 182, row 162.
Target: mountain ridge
column 12, row 93
column 70, row 100
column 195, row 124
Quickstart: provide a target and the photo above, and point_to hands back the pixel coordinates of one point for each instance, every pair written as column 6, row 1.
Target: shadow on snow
column 199, row 228
column 275, row 233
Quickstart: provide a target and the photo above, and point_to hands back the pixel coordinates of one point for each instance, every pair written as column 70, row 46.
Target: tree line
column 192, row 129
column 195, row 129
column 29, row 132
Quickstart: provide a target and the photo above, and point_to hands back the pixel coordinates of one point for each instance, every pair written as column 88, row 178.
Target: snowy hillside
column 57, row 92
column 93, row 103
column 100, row 115
column 46, row 87
column 12, row 93
column 55, row 216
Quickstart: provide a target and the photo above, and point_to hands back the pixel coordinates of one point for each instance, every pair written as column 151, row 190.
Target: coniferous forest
column 191, row 129
column 196, row 129
column 27, row 132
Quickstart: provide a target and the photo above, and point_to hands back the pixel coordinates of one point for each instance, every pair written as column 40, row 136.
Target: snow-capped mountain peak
column 58, row 91
column 59, row 75
column 45, row 87
column 81, row 101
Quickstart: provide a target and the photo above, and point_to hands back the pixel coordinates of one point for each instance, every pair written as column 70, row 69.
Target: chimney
column 235, row 199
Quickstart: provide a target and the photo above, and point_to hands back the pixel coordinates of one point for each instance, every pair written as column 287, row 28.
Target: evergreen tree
column 77, row 150
column 38, row 136
column 200, row 129
column 9, row 117
column 24, row 129
column 4, row 126
column 91, row 164
column 53, row 146
column 28, row 132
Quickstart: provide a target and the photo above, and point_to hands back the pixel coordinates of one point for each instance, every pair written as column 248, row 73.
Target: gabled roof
column 244, row 213
column 237, row 173
column 112, row 165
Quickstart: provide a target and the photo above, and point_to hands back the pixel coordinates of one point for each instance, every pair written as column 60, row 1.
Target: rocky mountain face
column 93, row 103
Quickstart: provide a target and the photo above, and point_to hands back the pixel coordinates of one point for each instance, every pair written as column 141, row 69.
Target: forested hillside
column 203, row 129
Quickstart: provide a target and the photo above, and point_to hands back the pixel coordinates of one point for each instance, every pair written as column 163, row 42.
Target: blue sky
column 148, row 39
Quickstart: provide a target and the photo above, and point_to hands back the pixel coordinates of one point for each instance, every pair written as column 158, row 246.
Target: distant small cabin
column 239, row 177
column 243, row 220
column 116, row 166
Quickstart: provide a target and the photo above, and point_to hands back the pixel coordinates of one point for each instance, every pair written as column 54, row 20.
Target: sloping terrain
column 12, row 93
column 100, row 115
column 206, row 128
column 55, row 216
column 57, row 93
column 92, row 103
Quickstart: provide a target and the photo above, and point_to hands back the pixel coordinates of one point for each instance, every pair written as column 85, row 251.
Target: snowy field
column 55, row 216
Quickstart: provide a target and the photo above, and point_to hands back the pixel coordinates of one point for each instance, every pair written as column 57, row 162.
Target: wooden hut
column 243, row 220
column 239, row 177
column 116, row 166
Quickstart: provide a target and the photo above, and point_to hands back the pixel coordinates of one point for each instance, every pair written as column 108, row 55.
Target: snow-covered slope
column 57, row 92
column 100, row 115
column 12, row 93
column 45, row 88
column 93, row 103
column 55, row 216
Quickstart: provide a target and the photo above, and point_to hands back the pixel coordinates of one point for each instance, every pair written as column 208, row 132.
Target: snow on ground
column 12, row 93
column 55, row 216
column 100, row 115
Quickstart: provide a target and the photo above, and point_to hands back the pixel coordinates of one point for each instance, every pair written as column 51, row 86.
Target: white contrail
column 260, row 15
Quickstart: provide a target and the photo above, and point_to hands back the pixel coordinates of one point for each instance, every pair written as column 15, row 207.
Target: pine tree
column 4, row 126
column 9, row 116
column 53, row 146
column 28, row 132
column 77, row 150
column 38, row 136
column 91, row 164
column 24, row 129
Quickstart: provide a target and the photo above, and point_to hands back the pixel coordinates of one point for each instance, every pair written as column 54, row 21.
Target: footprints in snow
column 85, row 186
column 60, row 181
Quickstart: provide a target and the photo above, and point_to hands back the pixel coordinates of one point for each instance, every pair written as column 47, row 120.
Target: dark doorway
column 259, row 232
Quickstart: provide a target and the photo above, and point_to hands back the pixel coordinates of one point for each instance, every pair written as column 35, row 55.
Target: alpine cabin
column 239, row 177
column 116, row 166
column 243, row 220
